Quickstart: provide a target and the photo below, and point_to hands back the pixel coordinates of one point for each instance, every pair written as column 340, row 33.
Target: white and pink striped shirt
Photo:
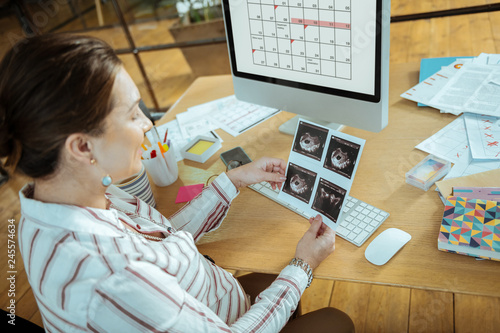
column 89, row 273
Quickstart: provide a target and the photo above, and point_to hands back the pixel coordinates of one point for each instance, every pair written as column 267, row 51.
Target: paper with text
column 234, row 116
column 449, row 143
column 195, row 122
column 484, row 136
column 466, row 166
column 471, row 89
column 428, row 88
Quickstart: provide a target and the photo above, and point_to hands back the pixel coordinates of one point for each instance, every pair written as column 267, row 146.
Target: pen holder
column 163, row 167
column 139, row 186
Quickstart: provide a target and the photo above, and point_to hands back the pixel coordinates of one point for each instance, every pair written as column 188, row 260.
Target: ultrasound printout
column 320, row 170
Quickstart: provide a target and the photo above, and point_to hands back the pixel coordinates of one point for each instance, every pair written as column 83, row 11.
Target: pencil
column 165, row 138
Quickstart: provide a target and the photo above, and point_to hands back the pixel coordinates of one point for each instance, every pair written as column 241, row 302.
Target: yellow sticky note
column 200, row 147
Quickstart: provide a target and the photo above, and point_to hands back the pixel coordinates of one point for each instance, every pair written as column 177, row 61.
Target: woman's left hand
column 267, row 169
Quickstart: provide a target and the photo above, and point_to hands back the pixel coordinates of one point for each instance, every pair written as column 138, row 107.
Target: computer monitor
column 324, row 59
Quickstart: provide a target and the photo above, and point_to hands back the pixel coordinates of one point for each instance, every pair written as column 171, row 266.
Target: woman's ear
column 79, row 147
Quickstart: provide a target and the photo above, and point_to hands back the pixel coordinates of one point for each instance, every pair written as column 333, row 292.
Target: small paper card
column 320, row 171
column 187, row 193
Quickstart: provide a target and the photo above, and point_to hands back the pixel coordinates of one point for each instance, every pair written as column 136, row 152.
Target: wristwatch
column 305, row 266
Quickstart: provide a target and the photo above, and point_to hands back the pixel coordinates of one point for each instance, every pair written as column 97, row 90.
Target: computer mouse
column 386, row 245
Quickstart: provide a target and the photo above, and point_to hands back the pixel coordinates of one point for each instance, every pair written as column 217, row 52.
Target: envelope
column 489, row 178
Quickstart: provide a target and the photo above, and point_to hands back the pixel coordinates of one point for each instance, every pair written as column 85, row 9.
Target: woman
column 98, row 259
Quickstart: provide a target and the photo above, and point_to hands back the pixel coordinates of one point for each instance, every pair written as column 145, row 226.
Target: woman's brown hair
column 52, row 86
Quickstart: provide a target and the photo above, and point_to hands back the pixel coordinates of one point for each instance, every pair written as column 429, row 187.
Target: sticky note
column 187, row 193
column 200, row 147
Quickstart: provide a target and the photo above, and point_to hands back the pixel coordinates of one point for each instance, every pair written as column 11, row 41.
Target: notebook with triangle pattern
column 471, row 227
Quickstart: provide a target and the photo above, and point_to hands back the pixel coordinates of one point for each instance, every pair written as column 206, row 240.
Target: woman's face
column 118, row 152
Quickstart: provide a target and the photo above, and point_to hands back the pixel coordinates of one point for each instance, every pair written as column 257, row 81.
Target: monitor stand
column 290, row 126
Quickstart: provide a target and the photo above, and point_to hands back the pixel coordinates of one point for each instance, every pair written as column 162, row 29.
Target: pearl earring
column 106, row 180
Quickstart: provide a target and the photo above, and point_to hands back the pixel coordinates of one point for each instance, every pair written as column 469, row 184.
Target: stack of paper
column 466, row 85
column 472, row 87
column 471, row 142
column 228, row 113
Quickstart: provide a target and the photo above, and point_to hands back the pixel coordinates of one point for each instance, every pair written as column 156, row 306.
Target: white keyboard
column 357, row 222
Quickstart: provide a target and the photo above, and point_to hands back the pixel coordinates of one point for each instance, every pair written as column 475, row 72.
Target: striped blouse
column 89, row 273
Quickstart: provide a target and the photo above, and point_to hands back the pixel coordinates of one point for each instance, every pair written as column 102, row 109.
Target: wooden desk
column 259, row 235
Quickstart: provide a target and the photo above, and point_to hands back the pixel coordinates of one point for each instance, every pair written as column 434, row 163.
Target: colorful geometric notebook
column 471, row 227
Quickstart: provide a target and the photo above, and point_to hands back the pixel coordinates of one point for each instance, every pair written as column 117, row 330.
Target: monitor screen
column 326, row 59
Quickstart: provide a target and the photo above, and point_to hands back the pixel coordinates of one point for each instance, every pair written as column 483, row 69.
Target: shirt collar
column 71, row 217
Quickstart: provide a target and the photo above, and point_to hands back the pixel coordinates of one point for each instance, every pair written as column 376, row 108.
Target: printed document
column 320, row 171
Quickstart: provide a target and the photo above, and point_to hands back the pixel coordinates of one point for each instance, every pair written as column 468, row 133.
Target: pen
column 165, row 138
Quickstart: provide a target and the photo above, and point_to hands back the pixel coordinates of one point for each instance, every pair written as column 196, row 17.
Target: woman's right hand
column 317, row 243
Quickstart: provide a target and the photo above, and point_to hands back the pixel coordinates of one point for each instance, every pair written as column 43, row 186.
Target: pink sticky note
column 187, row 193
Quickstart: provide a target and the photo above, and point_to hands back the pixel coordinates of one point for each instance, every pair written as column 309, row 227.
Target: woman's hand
column 267, row 169
column 317, row 243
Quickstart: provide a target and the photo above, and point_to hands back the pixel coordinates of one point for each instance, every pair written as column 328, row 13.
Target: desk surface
column 259, row 235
